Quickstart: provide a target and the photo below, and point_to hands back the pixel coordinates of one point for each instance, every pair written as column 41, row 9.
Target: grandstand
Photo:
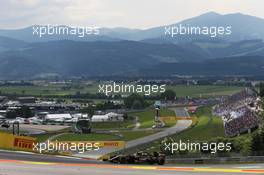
column 239, row 112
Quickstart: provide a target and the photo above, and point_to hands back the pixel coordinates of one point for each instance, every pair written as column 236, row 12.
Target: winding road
column 180, row 126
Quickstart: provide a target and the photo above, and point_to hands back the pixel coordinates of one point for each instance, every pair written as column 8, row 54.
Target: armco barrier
column 216, row 160
column 168, row 119
column 10, row 141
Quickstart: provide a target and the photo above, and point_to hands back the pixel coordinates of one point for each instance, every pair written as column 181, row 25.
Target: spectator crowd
column 239, row 112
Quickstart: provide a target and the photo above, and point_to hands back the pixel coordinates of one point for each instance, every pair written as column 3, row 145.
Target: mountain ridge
column 252, row 29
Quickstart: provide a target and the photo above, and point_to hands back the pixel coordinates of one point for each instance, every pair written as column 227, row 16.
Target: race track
column 22, row 163
column 15, row 163
column 181, row 112
column 180, row 126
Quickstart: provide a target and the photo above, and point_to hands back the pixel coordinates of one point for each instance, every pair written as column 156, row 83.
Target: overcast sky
column 116, row 13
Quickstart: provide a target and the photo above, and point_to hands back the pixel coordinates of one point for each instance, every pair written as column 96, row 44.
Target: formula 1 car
column 139, row 158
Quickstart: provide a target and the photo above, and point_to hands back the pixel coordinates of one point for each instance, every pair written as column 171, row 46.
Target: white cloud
column 110, row 13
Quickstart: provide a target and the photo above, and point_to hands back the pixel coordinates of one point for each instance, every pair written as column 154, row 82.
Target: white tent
column 2, row 117
column 58, row 117
column 80, row 115
column 115, row 117
column 107, row 117
column 100, row 118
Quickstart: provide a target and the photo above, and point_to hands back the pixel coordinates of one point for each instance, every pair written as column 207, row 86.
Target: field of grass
column 204, row 91
column 61, row 90
column 113, row 125
column 128, row 135
column 50, row 89
column 146, row 118
column 119, row 136
column 43, row 137
column 87, row 137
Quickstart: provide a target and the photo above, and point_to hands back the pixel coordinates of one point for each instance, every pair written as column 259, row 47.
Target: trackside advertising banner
column 16, row 142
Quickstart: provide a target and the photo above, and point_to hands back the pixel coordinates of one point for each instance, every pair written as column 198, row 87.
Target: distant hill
column 72, row 58
column 246, row 65
column 10, row 43
column 122, row 51
column 219, row 49
column 26, row 34
column 244, row 27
